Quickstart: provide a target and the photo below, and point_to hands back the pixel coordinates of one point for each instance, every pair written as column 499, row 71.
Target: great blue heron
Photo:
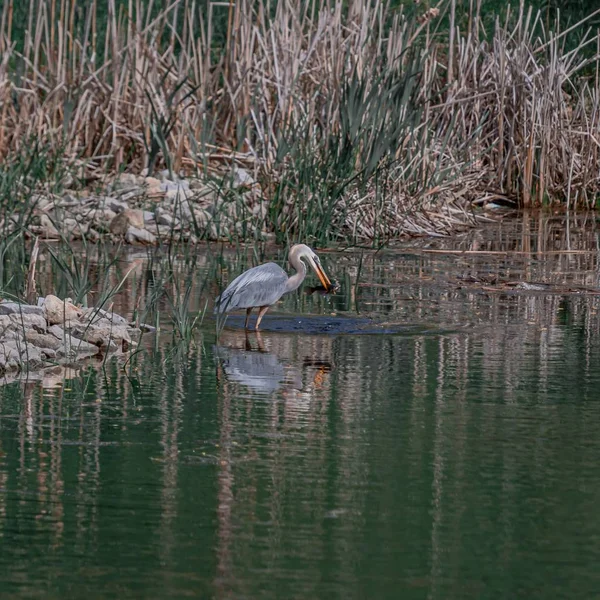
column 262, row 286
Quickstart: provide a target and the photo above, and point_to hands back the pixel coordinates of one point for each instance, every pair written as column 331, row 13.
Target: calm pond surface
column 431, row 431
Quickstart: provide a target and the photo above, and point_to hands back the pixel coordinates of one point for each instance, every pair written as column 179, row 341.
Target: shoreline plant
column 358, row 121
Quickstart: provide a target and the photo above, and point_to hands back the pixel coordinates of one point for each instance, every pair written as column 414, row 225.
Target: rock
column 125, row 181
column 59, row 311
column 165, row 175
column 155, row 193
column 48, row 353
column 31, row 357
column 259, row 210
column 42, row 340
column 73, row 228
column 21, row 321
column 75, row 349
column 10, row 308
column 67, row 180
column 10, row 357
column 152, row 182
column 41, row 202
column 102, row 218
column 148, row 217
column 207, row 198
column 57, row 331
column 176, row 190
column 201, row 217
column 164, row 218
column 93, row 315
column 242, row 178
column 197, row 184
column 139, row 236
column 13, row 333
column 31, row 335
column 68, row 200
column 115, row 205
column 134, row 193
column 128, row 218
column 15, row 354
column 164, row 231
column 104, row 334
column 93, row 236
column 48, row 227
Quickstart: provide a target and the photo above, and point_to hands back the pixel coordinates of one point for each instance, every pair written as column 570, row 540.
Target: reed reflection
column 329, row 465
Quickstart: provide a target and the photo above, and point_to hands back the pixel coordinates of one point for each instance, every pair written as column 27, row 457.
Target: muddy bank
column 56, row 332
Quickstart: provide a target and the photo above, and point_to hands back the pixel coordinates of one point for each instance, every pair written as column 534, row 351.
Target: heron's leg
column 248, row 311
column 261, row 312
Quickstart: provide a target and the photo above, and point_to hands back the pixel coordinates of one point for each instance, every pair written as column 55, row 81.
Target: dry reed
column 348, row 113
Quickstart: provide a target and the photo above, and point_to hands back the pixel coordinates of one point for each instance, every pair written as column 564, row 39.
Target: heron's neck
column 295, row 280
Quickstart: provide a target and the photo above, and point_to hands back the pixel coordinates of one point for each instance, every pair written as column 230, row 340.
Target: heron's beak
column 322, row 277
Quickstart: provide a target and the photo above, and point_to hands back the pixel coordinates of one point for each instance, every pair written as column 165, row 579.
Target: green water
column 443, row 442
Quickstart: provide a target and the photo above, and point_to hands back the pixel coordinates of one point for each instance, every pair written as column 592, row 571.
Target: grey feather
column 260, row 286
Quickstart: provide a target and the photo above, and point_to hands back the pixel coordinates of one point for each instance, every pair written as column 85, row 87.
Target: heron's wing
column 260, row 286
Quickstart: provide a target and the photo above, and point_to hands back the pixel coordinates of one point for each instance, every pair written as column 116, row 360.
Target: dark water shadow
column 328, row 325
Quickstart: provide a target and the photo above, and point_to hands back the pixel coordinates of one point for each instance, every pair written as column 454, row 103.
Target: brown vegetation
column 350, row 114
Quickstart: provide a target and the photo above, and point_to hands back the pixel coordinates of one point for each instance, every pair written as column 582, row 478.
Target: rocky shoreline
column 56, row 332
column 142, row 210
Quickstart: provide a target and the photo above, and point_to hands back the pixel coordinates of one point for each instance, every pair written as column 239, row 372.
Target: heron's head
column 300, row 251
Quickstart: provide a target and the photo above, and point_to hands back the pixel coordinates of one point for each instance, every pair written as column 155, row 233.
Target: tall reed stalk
column 356, row 120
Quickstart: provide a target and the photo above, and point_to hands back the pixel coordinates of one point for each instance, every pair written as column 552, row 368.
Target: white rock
column 152, row 182
column 9, row 308
column 242, row 178
column 139, row 236
column 10, row 357
column 164, row 218
column 101, row 217
column 175, row 186
column 104, row 334
column 93, row 315
column 41, row 202
column 48, row 227
column 59, row 311
column 36, row 322
column 58, row 332
column 115, row 205
column 42, row 340
column 125, row 180
column 68, row 200
column 74, row 348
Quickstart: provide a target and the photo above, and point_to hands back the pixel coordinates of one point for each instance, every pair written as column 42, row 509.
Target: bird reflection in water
column 263, row 371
